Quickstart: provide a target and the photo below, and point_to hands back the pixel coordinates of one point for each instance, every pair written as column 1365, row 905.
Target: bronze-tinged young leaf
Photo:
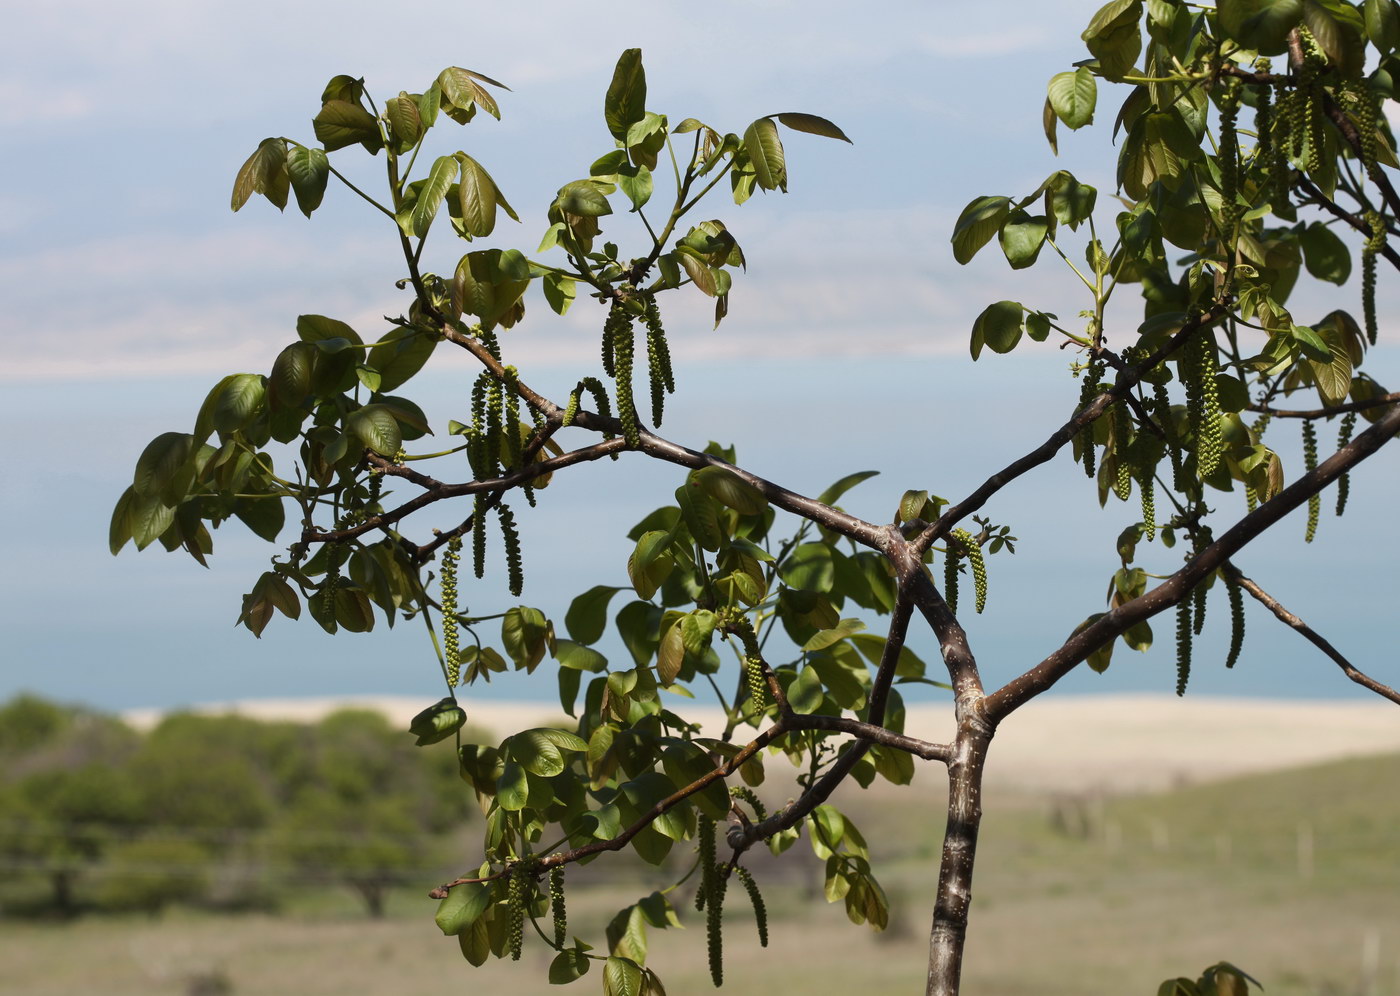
column 405, row 124
column 626, row 98
column 264, row 172
column 341, row 123
column 309, row 170
column 583, row 198
column 765, row 149
column 440, row 178
column 812, row 125
column 1333, row 377
column 979, row 221
column 477, row 197
column 671, row 654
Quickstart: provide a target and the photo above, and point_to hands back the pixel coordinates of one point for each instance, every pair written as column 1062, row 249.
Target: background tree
column 1173, row 407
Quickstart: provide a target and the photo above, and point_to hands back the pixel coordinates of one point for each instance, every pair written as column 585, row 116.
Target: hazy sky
column 129, row 288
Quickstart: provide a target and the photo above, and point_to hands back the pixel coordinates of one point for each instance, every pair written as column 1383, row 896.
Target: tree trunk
column 62, row 882
column 949, row 932
column 373, row 894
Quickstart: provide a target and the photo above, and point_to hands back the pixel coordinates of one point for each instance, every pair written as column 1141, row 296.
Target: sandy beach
column 1114, row 743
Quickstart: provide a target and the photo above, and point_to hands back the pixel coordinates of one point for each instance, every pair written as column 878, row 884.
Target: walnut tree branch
column 1303, row 629
column 1114, row 623
column 1127, row 379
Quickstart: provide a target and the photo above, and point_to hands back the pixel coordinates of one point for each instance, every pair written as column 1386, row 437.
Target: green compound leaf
column 1072, row 96
column 999, row 328
column 625, row 103
column 462, row 906
column 375, row 427
column 979, row 221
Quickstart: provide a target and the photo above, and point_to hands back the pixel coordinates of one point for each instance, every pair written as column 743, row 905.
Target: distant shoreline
column 1111, row 743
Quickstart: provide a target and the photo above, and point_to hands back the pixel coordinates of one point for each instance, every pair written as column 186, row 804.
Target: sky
column 130, row 288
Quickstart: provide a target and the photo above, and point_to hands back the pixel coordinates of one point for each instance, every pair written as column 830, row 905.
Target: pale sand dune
column 1066, row 744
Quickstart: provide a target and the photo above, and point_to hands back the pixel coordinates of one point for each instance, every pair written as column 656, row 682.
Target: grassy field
column 1294, row 876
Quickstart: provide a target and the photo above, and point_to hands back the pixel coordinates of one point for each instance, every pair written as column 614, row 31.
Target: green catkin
column 1364, row 113
column 658, row 361
column 752, row 662
column 1203, row 400
column 1228, row 159
column 1088, row 390
column 623, row 345
column 1147, row 490
column 748, row 795
column 950, row 575
column 1232, row 589
column 556, row 903
column 332, row 584
column 476, row 441
column 705, row 843
column 515, row 907
column 1313, row 93
column 540, row 425
column 1310, row 464
column 969, row 548
column 760, row 911
column 514, row 452
column 1183, row 644
column 1297, row 121
column 1374, row 244
column 488, row 339
column 714, row 930
column 450, row 650
column 571, row 409
column 1122, row 436
column 376, row 485
column 495, row 411
column 758, row 684
column 1162, row 411
column 515, row 566
column 1198, row 596
column 1280, row 140
column 1344, row 482
column 617, row 317
column 479, row 537
column 1263, row 115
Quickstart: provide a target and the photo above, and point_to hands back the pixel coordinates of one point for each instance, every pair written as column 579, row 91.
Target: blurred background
column 161, row 846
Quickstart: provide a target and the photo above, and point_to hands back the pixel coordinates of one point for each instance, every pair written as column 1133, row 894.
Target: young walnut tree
column 1252, row 149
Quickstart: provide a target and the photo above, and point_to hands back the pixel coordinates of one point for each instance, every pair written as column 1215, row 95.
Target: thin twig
column 1303, row 629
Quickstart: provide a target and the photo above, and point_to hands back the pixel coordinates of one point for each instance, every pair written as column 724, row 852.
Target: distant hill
column 1115, row 743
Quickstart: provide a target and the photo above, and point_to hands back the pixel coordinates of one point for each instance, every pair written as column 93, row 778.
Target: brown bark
column 949, row 933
